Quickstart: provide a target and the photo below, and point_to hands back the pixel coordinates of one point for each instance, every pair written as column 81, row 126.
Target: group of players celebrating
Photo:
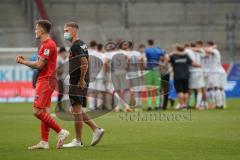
column 193, row 70
column 117, row 69
column 206, row 78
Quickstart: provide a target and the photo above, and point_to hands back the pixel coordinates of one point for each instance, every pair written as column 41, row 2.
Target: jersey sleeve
column 146, row 53
column 45, row 51
column 202, row 53
column 161, row 52
column 214, row 51
column 104, row 59
column 139, row 55
column 191, row 55
column 80, row 50
column 189, row 60
column 171, row 59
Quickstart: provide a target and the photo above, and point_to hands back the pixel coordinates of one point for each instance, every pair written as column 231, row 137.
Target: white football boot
column 74, row 143
column 40, row 145
column 97, row 135
column 62, row 135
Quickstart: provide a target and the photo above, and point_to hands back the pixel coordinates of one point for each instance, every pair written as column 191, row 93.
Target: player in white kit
column 205, row 68
column 196, row 80
column 92, row 51
column 218, row 76
column 116, row 77
column 135, row 68
column 99, row 66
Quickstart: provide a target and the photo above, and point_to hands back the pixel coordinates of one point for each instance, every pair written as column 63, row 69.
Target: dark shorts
column 77, row 95
column 181, row 85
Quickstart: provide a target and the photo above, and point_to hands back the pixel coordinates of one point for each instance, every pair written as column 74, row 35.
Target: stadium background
column 165, row 21
column 209, row 135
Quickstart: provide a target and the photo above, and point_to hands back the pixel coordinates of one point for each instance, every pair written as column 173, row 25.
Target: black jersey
column 77, row 50
column 180, row 64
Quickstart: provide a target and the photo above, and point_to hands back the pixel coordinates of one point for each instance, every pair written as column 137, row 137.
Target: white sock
column 99, row 100
column 91, row 103
column 218, row 98
column 222, row 98
column 213, row 96
column 138, row 101
column 120, row 102
column 199, row 99
column 202, row 103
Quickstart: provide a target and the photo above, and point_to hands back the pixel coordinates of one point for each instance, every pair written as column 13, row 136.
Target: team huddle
column 194, row 70
column 206, row 78
column 117, row 69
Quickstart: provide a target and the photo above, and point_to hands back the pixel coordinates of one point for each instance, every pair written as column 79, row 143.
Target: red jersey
column 48, row 51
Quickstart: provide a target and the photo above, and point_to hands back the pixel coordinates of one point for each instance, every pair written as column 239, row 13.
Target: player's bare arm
column 106, row 66
column 165, row 59
column 194, row 64
column 83, row 69
column 32, row 64
column 141, row 62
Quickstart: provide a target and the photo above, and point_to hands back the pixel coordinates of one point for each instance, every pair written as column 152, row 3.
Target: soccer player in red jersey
column 46, row 64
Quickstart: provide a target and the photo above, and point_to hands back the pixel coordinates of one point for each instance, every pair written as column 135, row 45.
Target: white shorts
column 119, row 82
column 196, row 80
column 218, row 79
column 98, row 85
column 206, row 80
column 223, row 80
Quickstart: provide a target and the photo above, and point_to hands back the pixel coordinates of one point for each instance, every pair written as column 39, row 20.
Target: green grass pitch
column 208, row 135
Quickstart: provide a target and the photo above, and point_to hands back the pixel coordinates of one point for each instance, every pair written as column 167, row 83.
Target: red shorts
column 43, row 94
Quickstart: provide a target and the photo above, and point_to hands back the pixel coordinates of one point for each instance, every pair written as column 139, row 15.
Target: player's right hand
column 20, row 59
column 82, row 84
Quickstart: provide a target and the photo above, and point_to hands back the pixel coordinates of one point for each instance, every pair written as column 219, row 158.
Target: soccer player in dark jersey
column 79, row 80
column 46, row 64
column 181, row 62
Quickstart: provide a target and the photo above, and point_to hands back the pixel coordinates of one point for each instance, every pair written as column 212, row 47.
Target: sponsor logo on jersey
column 46, row 52
column 84, row 47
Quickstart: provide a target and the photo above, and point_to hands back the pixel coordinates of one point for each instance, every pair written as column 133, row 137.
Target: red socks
column 44, row 131
column 49, row 122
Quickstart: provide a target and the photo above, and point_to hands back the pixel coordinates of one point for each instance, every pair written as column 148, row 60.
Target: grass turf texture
column 211, row 134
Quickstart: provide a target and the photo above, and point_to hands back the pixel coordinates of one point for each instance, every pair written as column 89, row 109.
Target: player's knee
column 37, row 111
column 77, row 109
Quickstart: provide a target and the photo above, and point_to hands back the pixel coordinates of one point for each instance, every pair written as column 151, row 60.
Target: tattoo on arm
column 83, row 67
column 36, row 64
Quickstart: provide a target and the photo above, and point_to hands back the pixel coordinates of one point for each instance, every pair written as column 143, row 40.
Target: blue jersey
column 153, row 55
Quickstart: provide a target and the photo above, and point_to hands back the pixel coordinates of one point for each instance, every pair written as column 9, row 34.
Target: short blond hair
column 178, row 47
column 72, row 24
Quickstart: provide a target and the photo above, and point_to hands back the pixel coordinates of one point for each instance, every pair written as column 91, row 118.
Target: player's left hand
column 82, row 84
